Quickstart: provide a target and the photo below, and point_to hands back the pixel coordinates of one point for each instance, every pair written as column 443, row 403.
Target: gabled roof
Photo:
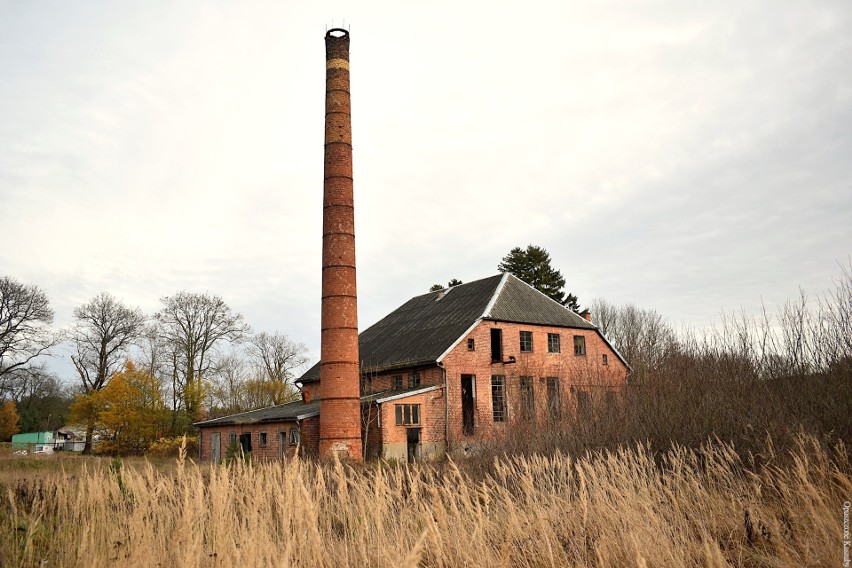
column 426, row 327
column 290, row 411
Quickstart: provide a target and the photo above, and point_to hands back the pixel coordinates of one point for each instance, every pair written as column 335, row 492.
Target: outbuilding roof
column 290, row 411
column 422, row 330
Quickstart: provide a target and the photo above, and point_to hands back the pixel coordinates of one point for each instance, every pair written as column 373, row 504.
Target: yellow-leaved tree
column 8, row 420
column 129, row 412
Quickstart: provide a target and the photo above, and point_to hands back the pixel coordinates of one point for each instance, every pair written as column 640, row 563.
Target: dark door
column 496, row 345
column 413, row 444
column 467, row 397
column 216, row 447
column 245, row 442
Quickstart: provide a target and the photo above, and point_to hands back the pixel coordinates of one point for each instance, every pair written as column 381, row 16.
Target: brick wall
column 379, row 382
column 584, row 373
column 309, row 438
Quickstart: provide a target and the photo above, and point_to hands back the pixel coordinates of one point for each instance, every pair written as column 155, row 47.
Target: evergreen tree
column 533, row 267
column 450, row 284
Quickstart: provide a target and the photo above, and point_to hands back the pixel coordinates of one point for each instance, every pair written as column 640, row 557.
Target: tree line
column 194, row 358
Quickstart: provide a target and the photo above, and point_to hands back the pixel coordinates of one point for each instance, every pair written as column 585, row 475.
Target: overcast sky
column 683, row 156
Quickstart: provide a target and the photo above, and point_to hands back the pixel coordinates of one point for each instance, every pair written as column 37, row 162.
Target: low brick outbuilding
column 273, row 433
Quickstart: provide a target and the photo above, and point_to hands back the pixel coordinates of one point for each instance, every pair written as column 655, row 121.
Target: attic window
column 526, row 342
column 413, row 380
column 579, row 345
column 471, row 345
column 605, row 361
column 553, row 343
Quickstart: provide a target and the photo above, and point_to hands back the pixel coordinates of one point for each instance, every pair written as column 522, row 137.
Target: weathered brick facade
column 585, row 373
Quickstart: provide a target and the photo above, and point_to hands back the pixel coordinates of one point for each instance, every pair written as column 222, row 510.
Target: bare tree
column 227, row 379
column 276, row 359
column 193, row 325
column 25, row 333
column 103, row 332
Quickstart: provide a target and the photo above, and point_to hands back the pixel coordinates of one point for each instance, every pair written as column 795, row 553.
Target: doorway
column 467, row 399
column 413, row 439
column 245, row 442
column 282, row 445
column 216, row 448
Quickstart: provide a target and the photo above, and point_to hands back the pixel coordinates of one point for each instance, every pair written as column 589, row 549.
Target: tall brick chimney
column 340, row 409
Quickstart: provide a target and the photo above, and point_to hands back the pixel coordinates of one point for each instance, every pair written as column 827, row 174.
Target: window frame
column 526, row 386
column 262, row 439
column 471, row 344
column 525, row 338
column 295, row 437
column 554, row 398
column 605, row 359
column 496, row 345
column 550, row 343
column 407, row 414
column 396, row 382
column 580, row 345
column 499, row 411
column 413, row 380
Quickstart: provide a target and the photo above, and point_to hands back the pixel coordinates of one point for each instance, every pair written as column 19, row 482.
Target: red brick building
column 449, row 369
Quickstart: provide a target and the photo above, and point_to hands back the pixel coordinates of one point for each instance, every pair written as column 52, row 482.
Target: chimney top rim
column 337, row 33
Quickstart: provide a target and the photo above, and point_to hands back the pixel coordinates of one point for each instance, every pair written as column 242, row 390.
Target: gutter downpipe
column 446, row 409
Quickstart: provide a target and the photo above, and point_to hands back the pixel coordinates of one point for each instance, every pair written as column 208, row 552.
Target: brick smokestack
column 340, row 409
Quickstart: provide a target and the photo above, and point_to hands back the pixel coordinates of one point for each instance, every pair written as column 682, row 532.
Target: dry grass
column 628, row 507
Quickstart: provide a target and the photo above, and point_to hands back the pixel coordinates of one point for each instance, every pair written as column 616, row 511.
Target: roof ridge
column 250, row 411
column 497, row 291
column 564, row 307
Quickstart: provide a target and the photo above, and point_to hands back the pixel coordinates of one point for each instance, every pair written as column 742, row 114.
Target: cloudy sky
column 688, row 157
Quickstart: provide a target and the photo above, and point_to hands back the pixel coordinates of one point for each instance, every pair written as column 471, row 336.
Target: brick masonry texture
column 340, row 423
column 585, row 372
column 269, row 452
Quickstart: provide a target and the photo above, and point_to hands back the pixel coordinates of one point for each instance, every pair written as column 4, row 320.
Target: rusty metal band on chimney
column 340, row 412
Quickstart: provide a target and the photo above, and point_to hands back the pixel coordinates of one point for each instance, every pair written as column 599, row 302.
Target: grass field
column 630, row 507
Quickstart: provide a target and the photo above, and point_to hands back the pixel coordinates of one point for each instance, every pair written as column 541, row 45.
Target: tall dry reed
column 626, row 507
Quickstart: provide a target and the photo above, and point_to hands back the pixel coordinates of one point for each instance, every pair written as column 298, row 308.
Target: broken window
column 467, row 400
column 498, row 397
column 232, row 438
column 584, row 403
column 295, row 438
column 496, row 345
column 553, row 343
column 413, row 380
column 579, row 345
column 262, row 440
column 526, row 342
column 554, row 404
column 407, row 414
column 397, row 382
column 527, row 399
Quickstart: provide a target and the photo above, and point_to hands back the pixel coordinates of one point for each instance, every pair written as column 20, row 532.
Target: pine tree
column 533, row 267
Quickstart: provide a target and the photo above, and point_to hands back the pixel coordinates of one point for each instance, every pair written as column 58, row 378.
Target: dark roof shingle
column 289, row 411
column 423, row 328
